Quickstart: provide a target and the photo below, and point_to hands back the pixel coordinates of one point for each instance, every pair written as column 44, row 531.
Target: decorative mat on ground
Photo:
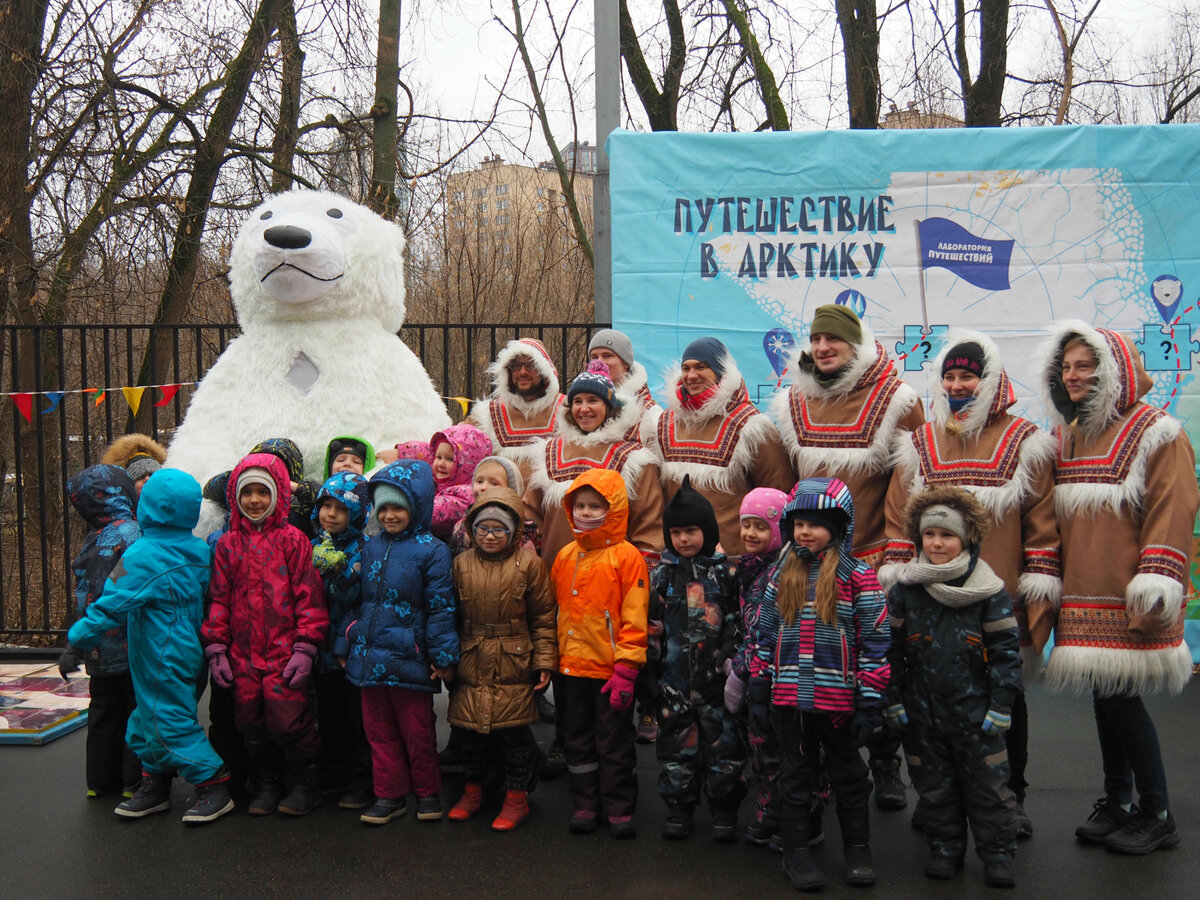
column 37, row 706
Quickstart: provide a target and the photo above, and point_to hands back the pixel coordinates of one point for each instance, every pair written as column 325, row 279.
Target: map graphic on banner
column 1004, row 230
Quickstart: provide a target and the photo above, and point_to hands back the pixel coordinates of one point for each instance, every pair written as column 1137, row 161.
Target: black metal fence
column 71, row 390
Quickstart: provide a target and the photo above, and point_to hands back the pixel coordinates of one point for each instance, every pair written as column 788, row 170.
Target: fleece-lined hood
column 1121, row 379
column 283, row 491
column 170, row 498
column 994, row 395
column 368, row 460
column 414, row 479
column 349, row 489
column 102, row 494
column 502, row 383
column 611, row 487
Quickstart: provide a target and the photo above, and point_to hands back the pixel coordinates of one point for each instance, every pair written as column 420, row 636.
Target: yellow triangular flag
column 464, row 402
column 133, row 396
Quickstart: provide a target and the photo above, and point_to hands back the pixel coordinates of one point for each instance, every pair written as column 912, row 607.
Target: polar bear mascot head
column 318, row 285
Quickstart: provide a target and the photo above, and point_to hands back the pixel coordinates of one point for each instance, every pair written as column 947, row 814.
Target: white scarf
column 980, row 584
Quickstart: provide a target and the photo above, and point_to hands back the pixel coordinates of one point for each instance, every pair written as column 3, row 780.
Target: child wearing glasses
column 507, row 627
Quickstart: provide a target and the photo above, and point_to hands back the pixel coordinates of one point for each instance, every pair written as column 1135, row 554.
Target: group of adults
column 1091, row 524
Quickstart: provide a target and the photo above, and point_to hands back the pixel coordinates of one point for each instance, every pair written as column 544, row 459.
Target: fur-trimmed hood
column 613, row 428
column 1121, row 379
column 498, row 372
column 731, row 392
column 972, row 511
column 870, row 363
column 993, row 397
column 122, row 450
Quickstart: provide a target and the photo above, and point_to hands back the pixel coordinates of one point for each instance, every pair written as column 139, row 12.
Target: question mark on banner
column 926, row 349
column 1166, row 347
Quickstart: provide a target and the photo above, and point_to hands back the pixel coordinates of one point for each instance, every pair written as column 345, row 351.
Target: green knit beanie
column 840, row 321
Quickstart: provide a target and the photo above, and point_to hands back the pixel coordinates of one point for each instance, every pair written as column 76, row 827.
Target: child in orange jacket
column 602, row 587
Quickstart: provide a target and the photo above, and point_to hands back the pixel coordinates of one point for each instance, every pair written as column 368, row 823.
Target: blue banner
column 946, row 244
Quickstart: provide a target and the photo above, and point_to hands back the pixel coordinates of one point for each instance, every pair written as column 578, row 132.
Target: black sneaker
column 1024, row 823
column 860, row 870
column 355, row 798
column 998, row 874
column 382, row 811
column 677, row 827
column 1142, row 834
column 889, row 788
column 429, row 809
column 153, row 795
column 1106, row 818
column 802, row 870
column 943, row 867
column 212, row 802
column 265, row 801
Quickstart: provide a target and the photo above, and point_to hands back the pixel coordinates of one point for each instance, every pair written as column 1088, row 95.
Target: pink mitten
column 218, row 665
column 620, row 687
column 299, row 667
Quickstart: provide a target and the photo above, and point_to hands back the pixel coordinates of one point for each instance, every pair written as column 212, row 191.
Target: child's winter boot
column 212, row 800
column 153, row 795
column 304, row 795
column 802, row 870
column 860, row 871
column 514, row 812
column 468, row 804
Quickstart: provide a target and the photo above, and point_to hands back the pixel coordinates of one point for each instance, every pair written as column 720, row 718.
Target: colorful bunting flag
column 24, row 404
column 55, row 398
column 168, row 393
column 464, row 402
column 99, row 392
column 133, row 396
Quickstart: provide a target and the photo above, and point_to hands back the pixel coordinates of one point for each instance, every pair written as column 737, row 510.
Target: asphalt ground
column 55, row 842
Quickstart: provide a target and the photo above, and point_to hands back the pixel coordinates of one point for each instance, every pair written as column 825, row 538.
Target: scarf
column 588, row 526
column 980, row 583
column 694, row 402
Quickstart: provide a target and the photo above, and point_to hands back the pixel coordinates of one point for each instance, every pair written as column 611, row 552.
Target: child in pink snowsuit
column 455, row 452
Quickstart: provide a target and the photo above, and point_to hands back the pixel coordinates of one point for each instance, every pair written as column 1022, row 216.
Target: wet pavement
column 54, row 842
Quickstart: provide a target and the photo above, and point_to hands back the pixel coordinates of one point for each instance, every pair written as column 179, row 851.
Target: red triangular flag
column 24, row 404
column 168, row 393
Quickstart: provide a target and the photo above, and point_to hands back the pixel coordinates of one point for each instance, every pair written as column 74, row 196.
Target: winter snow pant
column 345, row 758
column 518, row 748
column 226, row 739
column 111, row 765
column 601, row 749
column 400, row 729
column 764, row 771
column 802, row 735
column 163, row 729
column 266, row 709
column 1016, row 739
column 961, row 773
column 700, row 747
column 1130, row 753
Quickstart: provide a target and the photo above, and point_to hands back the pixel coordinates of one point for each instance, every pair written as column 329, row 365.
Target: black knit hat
column 689, row 508
column 967, row 355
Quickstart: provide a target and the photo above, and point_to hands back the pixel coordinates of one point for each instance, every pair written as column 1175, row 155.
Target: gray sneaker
column 153, row 795
column 382, row 811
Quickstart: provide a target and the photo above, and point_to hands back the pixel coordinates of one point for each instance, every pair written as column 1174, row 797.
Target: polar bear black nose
column 287, row 237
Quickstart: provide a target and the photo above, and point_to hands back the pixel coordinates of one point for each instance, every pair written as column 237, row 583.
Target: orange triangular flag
column 133, row 396
column 24, row 404
column 168, row 393
column 99, row 392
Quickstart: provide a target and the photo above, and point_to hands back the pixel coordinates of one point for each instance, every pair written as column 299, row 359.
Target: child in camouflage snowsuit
column 956, row 668
column 694, row 596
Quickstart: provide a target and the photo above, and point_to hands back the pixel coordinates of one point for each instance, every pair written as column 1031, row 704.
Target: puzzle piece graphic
column 918, row 348
column 1167, row 348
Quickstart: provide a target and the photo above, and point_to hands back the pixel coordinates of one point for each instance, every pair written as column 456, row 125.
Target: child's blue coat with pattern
column 338, row 557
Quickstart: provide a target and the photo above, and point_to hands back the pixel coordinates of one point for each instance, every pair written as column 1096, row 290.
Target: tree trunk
column 982, row 98
column 859, row 25
column 287, row 129
column 777, row 117
column 661, row 106
column 206, row 165
column 382, row 196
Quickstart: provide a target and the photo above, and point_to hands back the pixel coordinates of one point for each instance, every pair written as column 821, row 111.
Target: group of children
column 368, row 594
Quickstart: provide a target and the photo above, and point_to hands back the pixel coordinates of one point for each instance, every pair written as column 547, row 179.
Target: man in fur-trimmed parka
column 845, row 416
column 1007, row 464
column 523, row 406
column 1126, row 497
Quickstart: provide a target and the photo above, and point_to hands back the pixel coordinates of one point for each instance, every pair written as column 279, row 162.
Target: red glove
column 620, row 687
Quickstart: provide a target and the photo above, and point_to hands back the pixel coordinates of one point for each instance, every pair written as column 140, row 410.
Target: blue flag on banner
column 981, row 261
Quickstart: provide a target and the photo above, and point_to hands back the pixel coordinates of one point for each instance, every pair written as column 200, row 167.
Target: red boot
column 468, row 804
column 514, row 812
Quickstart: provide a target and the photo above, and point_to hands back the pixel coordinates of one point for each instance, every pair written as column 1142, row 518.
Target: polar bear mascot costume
column 318, row 286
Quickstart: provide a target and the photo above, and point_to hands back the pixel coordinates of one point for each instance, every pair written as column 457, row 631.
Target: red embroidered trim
column 1043, row 561
column 859, row 433
column 509, row 436
column 994, row 472
column 717, row 452
column 1162, row 560
column 1106, row 625
column 1113, row 467
column 561, row 469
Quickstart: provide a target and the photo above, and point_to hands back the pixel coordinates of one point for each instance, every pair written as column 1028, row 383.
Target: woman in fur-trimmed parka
column 956, row 670
column 1126, row 497
column 508, row 629
column 1007, row 464
column 711, row 431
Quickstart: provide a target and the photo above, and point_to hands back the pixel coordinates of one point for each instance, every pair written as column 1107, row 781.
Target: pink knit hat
column 767, row 504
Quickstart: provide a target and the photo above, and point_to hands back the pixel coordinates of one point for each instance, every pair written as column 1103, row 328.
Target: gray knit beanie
column 616, row 341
